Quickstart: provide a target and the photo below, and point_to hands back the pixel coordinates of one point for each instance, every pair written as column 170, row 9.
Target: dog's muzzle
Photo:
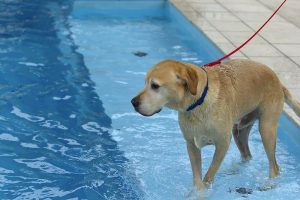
column 136, row 103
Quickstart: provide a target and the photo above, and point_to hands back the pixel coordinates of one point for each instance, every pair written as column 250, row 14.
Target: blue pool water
column 67, row 129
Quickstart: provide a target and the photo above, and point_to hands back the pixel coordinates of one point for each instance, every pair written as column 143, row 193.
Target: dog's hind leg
column 241, row 139
column 268, row 122
column 268, row 132
column 241, row 134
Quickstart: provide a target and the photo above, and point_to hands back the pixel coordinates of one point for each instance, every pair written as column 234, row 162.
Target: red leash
column 237, row 49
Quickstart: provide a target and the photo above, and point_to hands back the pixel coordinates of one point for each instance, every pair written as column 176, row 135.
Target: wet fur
column 240, row 92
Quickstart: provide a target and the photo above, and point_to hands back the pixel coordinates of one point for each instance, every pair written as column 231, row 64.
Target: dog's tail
column 293, row 103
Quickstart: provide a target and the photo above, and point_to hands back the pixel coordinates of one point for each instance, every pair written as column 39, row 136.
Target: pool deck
column 228, row 23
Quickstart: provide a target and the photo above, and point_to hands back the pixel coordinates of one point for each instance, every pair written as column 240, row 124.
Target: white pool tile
column 228, row 47
column 264, row 50
column 295, row 92
column 291, row 50
column 209, row 7
column 282, row 36
column 234, row 1
column 191, row 15
column 278, row 32
column 230, row 26
column 220, row 16
column 216, row 36
column 238, row 57
column 290, row 10
column 199, row 1
column 247, row 7
column 239, row 37
column 290, row 79
column 272, row 25
column 296, row 60
column 257, row 17
column 204, row 25
column 278, row 64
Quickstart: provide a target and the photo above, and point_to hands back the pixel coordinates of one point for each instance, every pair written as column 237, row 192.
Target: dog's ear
column 189, row 77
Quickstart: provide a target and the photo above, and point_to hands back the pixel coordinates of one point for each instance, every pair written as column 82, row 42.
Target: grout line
column 287, row 44
column 204, row 32
column 288, row 113
column 198, row 27
column 208, row 21
column 188, row 4
column 259, row 33
column 286, row 19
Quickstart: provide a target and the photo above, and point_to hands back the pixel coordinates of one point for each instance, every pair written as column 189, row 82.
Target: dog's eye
column 154, row 86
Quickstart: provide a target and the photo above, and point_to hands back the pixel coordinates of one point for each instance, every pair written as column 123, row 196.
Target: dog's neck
column 201, row 99
column 188, row 98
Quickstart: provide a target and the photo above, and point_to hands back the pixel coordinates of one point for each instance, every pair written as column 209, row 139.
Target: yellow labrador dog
column 214, row 101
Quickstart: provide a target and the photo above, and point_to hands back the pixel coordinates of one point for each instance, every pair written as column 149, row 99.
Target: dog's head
column 166, row 84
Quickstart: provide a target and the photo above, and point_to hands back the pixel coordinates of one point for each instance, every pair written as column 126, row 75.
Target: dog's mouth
column 147, row 115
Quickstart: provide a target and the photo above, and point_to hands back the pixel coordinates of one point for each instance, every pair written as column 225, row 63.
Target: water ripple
column 41, row 164
column 8, row 137
column 26, row 116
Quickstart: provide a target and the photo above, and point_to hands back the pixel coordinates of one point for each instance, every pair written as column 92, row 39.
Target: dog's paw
column 196, row 194
column 208, row 180
column 265, row 187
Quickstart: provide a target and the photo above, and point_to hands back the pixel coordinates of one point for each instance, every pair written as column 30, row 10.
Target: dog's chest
column 197, row 131
column 202, row 140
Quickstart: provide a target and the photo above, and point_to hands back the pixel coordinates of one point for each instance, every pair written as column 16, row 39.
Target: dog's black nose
column 135, row 102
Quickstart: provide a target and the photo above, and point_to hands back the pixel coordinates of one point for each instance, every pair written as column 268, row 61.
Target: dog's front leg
column 220, row 152
column 195, row 159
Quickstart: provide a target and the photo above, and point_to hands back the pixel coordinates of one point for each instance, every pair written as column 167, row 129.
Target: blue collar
column 201, row 99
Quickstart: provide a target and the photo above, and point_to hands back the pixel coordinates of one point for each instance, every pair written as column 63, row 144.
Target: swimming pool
column 68, row 70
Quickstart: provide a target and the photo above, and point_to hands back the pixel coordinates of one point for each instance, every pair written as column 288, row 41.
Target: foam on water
column 31, row 64
column 26, row 116
column 8, row 137
column 29, row 145
column 41, row 164
column 62, row 98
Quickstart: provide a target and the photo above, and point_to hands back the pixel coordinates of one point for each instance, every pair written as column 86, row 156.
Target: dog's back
column 252, row 85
